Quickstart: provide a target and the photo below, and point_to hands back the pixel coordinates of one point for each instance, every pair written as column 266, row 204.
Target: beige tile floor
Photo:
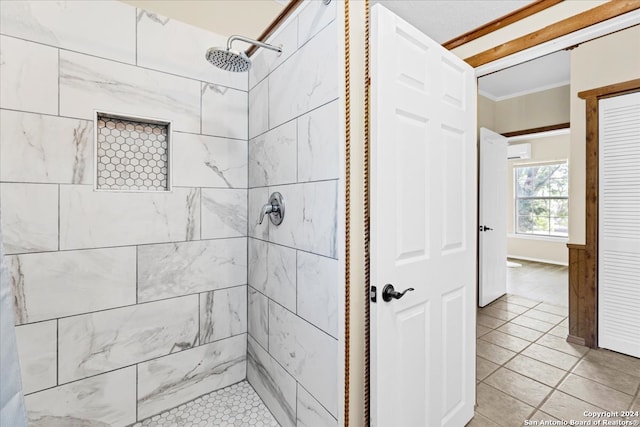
column 527, row 371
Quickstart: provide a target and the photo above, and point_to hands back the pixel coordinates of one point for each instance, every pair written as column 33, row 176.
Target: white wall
column 544, row 108
column 246, row 17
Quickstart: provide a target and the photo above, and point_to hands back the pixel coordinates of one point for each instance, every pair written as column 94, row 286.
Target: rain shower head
column 234, row 60
column 228, row 60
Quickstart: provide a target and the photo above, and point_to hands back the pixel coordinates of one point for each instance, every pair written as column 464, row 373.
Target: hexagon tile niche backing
column 132, row 154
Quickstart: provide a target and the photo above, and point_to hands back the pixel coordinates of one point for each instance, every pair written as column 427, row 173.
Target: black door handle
column 389, row 293
column 485, row 228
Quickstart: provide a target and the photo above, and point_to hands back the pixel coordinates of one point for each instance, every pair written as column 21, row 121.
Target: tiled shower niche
column 132, row 154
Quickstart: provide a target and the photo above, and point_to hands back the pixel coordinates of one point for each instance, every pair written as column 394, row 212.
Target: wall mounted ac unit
column 519, row 151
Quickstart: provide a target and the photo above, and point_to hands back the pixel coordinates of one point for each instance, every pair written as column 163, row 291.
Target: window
column 542, row 199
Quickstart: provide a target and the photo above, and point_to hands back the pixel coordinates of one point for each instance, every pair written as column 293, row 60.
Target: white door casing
column 423, row 228
column 493, row 215
column 619, row 224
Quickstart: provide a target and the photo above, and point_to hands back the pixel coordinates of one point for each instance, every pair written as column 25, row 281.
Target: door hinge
column 372, row 293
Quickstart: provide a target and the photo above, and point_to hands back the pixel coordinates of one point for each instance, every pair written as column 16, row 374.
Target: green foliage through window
column 542, row 200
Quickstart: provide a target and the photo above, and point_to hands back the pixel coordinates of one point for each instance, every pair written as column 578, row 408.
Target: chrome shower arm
column 252, row 41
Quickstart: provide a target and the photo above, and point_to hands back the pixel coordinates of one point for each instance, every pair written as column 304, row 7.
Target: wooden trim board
column 501, row 22
column 609, row 90
column 288, row 10
column 537, row 130
column 577, row 22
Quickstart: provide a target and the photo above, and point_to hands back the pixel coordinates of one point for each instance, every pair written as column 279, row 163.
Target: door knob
column 485, row 228
column 389, row 293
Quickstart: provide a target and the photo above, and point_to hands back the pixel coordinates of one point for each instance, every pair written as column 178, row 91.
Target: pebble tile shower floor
column 233, row 406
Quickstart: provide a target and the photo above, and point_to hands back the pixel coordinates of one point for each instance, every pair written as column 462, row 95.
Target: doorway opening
column 529, row 106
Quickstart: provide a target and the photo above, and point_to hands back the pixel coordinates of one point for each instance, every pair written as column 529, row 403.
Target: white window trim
column 559, row 239
column 529, row 236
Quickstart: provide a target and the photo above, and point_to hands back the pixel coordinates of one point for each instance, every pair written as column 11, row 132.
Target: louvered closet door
column 619, row 224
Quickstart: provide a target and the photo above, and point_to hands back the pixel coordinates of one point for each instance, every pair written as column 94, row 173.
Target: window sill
column 537, row 237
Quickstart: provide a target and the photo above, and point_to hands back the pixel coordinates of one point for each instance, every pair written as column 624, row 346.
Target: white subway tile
column 309, row 79
column 318, row 285
column 272, row 157
column 224, row 213
column 319, row 144
column 311, row 217
column 308, row 354
column 29, row 217
column 223, row 313
column 273, row 271
column 108, row 399
column 169, row 381
column 45, row 149
column 56, row 284
column 28, row 76
column 225, row 112
column 207, row 161
column 98, row 342
column 91, row 218
column 274, row 385
column 174, row 269
column 88, row 84
column 100, row 28
column 37, row 351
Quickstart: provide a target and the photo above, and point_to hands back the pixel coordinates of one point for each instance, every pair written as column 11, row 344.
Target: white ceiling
column 534, row 76
column 445, row 20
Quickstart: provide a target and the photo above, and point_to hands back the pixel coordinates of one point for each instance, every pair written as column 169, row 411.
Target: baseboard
column 545, row 261
column 575, row 340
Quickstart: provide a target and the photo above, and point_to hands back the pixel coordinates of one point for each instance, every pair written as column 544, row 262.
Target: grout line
column 202, row 89
column 58, row 88
column 132, row 305
column 137, row 393
column 199, row 321
column 57, row 352
column 137, row 12
column 292, row 119
column 58, row 218
column 119, row 368
column 137, row 278
column 215, row 239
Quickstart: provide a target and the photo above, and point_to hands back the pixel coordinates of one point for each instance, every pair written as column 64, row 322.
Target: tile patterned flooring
column 539, row 282
column 235, row 406
column 527, row 371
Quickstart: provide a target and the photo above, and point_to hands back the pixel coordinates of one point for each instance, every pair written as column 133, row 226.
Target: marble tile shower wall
column 294, row 276
column 127, row 303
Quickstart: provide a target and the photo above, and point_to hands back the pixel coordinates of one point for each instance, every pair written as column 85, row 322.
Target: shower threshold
column 233, row 406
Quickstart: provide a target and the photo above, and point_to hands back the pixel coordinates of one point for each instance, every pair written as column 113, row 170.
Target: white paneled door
column 619, row 224
column 423, row 229
column 492, row 266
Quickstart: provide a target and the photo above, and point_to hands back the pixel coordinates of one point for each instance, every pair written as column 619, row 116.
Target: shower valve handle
column 275, row 209
column 267, row 209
